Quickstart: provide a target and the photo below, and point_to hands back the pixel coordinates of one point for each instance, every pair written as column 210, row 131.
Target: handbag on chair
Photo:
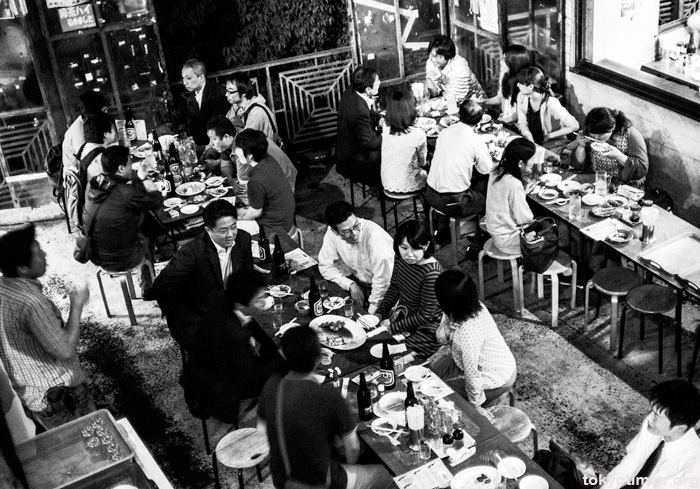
column 539, row 244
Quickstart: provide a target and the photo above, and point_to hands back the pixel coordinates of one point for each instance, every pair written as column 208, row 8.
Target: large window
column 675, row 11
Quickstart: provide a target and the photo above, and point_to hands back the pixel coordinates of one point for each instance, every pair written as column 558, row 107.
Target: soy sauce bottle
column 386, row 368
column 278, row 258
column 315, row 303
column 264, row 246
column 364, row 400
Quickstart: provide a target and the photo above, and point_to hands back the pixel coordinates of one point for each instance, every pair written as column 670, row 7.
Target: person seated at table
column 506, row 204
column 404, row 146
column 476, row 361
column 250, row 106
column 666, row 451
column 90, row 102
column 514, row 59
column 313, row 417
column 623, row 153
column 100, row 132
column 364, row 248
column 115, row 209
column 409, row 306
column 448, row 73
column 453, row 187
column 270, row 200
column 541, row 117
column 222, row 137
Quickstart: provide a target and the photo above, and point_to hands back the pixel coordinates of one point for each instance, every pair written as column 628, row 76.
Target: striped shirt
column 478, row 350
column 31, row 330
column 413, row 286
column 456, row 77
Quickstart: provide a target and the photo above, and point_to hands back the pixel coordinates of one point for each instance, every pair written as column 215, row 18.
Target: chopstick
column 579, row 133
column 386, row 431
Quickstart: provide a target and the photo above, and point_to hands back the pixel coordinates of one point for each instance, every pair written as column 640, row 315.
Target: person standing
column 38, row 349
column 250, row 106
column 90, row 102
column 204, row 100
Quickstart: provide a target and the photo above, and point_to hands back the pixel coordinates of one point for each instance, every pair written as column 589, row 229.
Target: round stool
column 553, row 271
column 648, row 299
column 397, row 198
column 127, row 283
column 615, row 282
column 241, row 449
column 491, row 251
column 514, row 424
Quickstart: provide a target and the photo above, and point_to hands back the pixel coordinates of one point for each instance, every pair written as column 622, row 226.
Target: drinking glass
column 277, row 319
column 277, row 309
column 349, row 307
column 601, row 182
column 293, row 280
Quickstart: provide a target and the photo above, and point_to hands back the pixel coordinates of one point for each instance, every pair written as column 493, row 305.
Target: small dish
column 279, row 290
column 217, row 192
column 417, row 373
column 376, row 350
column 172, row 202
column 190, row 209
column 619, row 237
column 432, row 388
column 448, row 120
column 567, row 186
column 190, row 188
column 561, row 201
column 492, row 127
column 368, row 321
column 425, row 122
column 548, row 194
column 602, row 211
column 485, row 118
column 592, row 199
column 333, row 303
column 587, row 188
column 302, row 306
column 214, row 181
column 551, row 179
column 511, row 467
column 382, row 426
column 533, row 482
column 616, row 201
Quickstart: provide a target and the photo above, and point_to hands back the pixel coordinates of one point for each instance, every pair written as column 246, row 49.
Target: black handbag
column 83, row 243
column 539, row 244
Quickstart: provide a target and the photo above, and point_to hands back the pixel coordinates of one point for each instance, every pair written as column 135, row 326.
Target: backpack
column 75, row 185
column 53, row 165
column 277, row 140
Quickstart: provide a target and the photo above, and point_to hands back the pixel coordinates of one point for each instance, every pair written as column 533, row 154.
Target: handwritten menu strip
column 432, row 474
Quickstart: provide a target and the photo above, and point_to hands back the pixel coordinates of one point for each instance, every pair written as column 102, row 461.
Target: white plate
column 432, row 388
column 592, row 199
column 485, row 118
column 393, row 402
column 190, row 209
column 190, row 188
column 333, row 303
column 376, row 350
column 368, row 321
column 469, row 478
column 417, row 373
column 511, row 467
column 285, row 327
column 448, row 120
column 217, row 192
column 548, row 194
column 616, row 201
column 550, row 179
column 352, row 334
column 386, row 423
column 587, row 188
column 425, row 122
column 533, row 482
column 172, row 201
column 569, row 186
column 214, row 181
column 600, row 147
column 491, row 127
column 279, row 290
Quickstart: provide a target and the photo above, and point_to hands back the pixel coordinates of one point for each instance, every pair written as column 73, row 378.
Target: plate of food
column 338, row 332
column 616, row 201
column 172, row 202
column 511, row 467
column 587, row 188
column 214, row 181
column 217, row 192
column 551, row 179
column 393, row 403
column 190, row 209
column 592, row 199
column 602, row 211
column 279, row 290
column 548, row 193
column 333, row 303
column 448, row 120
column 568, row 186
column 198, row 199
column 368, row 321
column 433, row 388
column 619, row 237
column 491, row 127
column 383, row 426
column 425, row 122
column 478, row 477
column 417, row 373
column 190, row 188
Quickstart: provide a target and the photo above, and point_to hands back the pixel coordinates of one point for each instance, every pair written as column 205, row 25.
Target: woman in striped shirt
column 410, row 306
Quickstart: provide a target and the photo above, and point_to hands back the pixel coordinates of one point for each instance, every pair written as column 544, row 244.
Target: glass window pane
column 117, row 10
column 19, row 87
column 420, row 22
column 376, row 30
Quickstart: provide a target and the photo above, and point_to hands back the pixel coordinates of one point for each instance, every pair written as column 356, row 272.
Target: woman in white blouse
column 476, row 361
column 404, row 146
column 506, row 206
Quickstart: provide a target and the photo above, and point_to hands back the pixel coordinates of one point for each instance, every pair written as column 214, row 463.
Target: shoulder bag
column 83, row 243
column 539, row 244
column 289, row 483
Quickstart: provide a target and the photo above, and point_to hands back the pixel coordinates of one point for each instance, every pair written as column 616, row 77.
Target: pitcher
column 602, row 182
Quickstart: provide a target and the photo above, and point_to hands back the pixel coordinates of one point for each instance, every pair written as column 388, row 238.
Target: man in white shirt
column 90, row 102
column 666, row 451
column 364, row 247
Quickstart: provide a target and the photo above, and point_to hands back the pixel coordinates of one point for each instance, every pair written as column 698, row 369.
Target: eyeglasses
column 349, row 233
column 229, row 92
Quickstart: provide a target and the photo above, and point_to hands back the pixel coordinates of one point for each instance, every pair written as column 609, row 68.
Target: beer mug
column 602, row 182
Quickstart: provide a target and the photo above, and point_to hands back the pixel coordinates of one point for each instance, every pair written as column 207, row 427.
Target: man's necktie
column 228, row 269
column 648, row 467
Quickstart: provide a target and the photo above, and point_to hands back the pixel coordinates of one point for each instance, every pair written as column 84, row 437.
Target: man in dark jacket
column 359, row 143
column 117, row 202
column 205, row 99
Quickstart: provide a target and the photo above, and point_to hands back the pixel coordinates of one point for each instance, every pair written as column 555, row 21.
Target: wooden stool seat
column 514, row 424
column 241, row 449
column 491, row 251
column 562, row 264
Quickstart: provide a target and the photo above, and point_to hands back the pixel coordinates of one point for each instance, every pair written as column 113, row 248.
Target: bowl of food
column 600, row 147
column 619, row 237
column 550, row 179
column 302, row 307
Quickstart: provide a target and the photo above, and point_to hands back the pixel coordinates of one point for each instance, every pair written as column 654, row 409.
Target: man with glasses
column 449, row 73
column 250, row 106
column 364, row 248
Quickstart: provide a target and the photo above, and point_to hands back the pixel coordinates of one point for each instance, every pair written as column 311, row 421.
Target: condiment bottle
column 380, row 394
column 458, row 437
column 364, row 400
column 386, row 368
column 448, row 446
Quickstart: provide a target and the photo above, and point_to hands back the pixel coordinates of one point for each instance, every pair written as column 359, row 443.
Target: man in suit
column 359, row 143
column 204, row 101
column 192, row 294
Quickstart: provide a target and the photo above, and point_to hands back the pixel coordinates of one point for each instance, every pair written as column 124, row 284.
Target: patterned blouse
column 478, row 350
column 600, row 162
column 403, row 159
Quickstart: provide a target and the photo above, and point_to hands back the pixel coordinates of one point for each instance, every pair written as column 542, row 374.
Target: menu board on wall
column 76, row 18
column 64, row 3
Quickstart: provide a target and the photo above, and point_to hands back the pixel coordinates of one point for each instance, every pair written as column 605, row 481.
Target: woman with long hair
column 409, row 306
column 541, row 117
column 506, row 205
column 404, row 146
column 621, row 150
column 476, row 361
column 514, row 59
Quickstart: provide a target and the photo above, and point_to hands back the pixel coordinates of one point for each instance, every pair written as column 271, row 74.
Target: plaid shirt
column 31, row 329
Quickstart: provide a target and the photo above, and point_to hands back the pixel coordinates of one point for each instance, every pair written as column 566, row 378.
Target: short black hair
column 301, row 349
column 417, row 234
column 252, row 142
column 221, row 125
column 400, row 111
column 337, row 212
column 16, row 249
column 216, row 210
column 457, row 295
column 679, row 400
column 363, row 78
column 443, row 46
column 92, row 102
column 114, row 157
column 96, row 126
column 244, row 285
column 196, row 65
column 470, row 112
column 243, row 84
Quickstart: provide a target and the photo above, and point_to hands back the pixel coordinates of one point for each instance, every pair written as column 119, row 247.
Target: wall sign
column 64, row 3
column 76, row 18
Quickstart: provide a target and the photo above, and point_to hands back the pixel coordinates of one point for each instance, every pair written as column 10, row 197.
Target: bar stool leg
column 499, row 271
column 382, row 205
column 207, row 446
column 517, row 286
column 215, row 464
column 679, row 329
column 415, row 207
column 586, row 297
column 622, row 331
column 455, row 237
column 574, row 273
column 540, row 286
column 661, row 346
column 535, row 444
column 555, row 300
column 691, row 374
column 257, row 469
column 102, row 291
column 240, row 478
column 396, row 215
column 482, row 253
column 127, row 298
column 614, row 300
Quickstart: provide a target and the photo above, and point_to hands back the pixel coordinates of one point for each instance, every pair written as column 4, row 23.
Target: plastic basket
column 74, row 452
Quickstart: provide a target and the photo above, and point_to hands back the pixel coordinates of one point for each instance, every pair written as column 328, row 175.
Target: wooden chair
column 127, row 283
column 244, row 448
column 491, row 251
column 557, row 267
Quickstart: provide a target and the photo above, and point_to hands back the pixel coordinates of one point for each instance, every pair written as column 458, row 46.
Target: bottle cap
column 648, row 203
column 447, row 439
column 458, row 434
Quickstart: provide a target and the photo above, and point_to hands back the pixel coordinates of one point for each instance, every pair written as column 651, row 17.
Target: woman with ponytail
column 621, row 150
column 541, row 117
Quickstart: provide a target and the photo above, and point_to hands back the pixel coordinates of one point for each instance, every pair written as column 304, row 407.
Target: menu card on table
column 601, row 230
column 432, row 474
column 300, row 260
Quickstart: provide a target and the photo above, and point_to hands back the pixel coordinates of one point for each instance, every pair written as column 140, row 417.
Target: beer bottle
column 168, row 176
column 278, row 258
column 411, row 399
column 157, row 148
column 386, row 368
column 264, row 246
column 129, row 125
column 415, row 421
column 364, row 400
column 315, row 303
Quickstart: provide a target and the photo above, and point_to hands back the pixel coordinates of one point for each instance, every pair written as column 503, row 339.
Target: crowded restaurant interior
column 357, row 244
